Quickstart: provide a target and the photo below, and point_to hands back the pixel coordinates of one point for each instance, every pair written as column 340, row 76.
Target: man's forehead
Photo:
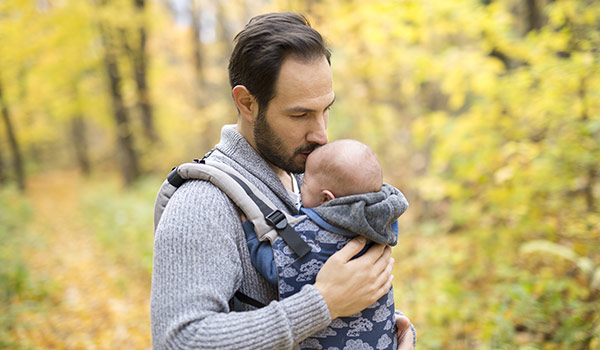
column 305, row 83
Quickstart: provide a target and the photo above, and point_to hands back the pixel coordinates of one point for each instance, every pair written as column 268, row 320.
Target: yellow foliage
column 488, row 120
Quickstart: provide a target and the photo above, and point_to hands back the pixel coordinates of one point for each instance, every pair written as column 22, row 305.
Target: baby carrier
column 298, row 256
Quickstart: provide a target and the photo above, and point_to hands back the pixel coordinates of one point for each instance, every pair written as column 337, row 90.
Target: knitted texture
column 369, row 214
column 201, row 260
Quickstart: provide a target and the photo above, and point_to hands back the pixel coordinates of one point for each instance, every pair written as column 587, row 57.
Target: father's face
column 295, row 121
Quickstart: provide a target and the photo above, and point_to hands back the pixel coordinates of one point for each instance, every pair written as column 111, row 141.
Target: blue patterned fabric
column 327, row 229
column 373, row 328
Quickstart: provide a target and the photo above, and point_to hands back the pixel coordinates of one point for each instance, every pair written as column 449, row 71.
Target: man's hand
column 406, row 335
column 351, row 285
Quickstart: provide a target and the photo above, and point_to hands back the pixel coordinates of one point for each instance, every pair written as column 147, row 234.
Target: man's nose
column 318, row 132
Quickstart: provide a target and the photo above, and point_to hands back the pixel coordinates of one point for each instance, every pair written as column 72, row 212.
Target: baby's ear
column 326, row 196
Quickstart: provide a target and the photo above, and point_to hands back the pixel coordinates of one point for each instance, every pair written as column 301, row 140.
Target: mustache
column 306, row 149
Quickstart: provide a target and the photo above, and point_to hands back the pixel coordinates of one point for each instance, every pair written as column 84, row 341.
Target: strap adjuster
column 174, row 178
column 276, row 219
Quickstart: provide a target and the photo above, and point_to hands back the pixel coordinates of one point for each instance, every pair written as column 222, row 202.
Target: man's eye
column 299, row 115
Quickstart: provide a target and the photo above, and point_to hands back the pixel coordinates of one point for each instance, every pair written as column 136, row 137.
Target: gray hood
column 370, row 215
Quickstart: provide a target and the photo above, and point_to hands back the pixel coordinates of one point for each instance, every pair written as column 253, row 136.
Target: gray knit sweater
column 201, row 259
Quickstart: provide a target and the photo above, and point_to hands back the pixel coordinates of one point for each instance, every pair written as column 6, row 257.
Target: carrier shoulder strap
column 268, row 221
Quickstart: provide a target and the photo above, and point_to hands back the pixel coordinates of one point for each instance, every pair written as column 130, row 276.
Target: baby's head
column 337, row 169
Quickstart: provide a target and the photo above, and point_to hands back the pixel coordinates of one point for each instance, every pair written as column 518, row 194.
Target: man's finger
column 386, row 274
column 374, row 254
column 402, row 323
column 351, row 249
column 406, row 340
column 383, row 261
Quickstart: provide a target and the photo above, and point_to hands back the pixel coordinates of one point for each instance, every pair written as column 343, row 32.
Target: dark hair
column 264, row 43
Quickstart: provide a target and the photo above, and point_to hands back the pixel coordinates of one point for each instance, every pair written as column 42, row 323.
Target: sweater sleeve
column 197, row 269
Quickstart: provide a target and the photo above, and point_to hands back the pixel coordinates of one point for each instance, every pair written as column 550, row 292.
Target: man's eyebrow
column 300, row 109
column 332, row 102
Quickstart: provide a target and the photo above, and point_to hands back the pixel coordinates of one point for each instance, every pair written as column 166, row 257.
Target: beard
column 272, row 148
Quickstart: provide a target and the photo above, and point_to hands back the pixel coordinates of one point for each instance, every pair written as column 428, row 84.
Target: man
column 282, row 87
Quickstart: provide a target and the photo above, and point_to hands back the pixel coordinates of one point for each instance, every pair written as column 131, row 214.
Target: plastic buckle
column 276, row 219
column 174, row 178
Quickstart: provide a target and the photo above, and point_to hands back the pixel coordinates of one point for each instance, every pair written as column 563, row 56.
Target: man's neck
column 285, row 177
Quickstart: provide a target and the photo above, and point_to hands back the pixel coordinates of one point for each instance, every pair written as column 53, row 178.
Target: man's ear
column 245, row 102
column 326, row 196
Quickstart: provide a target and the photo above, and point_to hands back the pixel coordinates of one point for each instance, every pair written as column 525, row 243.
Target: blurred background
column 485, row 113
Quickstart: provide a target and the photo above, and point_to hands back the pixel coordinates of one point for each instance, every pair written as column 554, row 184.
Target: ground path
column 93, row 301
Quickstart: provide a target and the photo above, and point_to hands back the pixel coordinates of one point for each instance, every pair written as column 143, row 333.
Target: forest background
column 485, row 113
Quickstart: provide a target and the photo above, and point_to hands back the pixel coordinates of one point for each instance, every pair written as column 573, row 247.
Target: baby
column 343, row 196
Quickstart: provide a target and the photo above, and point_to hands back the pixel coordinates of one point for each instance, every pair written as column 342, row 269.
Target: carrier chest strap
column 277, row 220
column 273, row 217
column 240, row 297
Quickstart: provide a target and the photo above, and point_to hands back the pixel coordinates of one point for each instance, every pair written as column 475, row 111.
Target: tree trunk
column 225, row 34
column 2, row 173
column 128, row 156
column 195, row 14
column 534, row 15
column 80, row 144
column 13, row 142
column 592, row 168
column 140, row 64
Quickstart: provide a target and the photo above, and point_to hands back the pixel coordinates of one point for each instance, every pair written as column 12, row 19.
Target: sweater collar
column 236, row 147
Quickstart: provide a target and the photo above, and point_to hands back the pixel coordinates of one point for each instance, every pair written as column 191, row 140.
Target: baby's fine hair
column 348, row 167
